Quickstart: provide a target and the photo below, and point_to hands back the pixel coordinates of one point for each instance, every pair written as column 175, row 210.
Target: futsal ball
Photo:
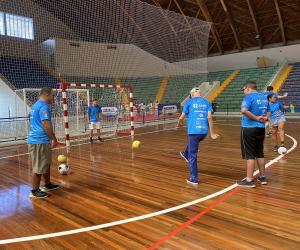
column 282, row 150
column 63, row 169
column 136, row 144
column 61, row 159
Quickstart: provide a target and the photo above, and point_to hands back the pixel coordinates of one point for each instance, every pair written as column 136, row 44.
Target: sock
column 249, row 179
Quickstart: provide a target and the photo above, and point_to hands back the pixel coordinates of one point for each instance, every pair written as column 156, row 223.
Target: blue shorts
column 276, row 121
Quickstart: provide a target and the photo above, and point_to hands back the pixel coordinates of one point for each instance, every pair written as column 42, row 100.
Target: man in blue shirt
column 93, row 114
column 199, row 121
column 254, row 109
column 40, row 138
column 277, row 120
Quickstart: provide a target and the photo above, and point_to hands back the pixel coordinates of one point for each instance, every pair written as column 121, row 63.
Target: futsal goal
column 116, row 102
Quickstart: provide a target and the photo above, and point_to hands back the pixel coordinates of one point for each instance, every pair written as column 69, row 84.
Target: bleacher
column 292, row 87
column 144, row 89
column 179, row 86
column 25, row 73
column 231, row 98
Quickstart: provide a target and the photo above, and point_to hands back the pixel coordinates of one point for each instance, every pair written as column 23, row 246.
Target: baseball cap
column 195, row 90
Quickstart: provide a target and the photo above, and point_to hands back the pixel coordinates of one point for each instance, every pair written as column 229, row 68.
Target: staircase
column 292, row 87
column 162, row 89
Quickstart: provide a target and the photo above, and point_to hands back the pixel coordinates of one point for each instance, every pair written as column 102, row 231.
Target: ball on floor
column 136, row 144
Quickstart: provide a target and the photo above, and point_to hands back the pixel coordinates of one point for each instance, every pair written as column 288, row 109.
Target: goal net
column 78, row 100
column 116, row 103
column 161, row 54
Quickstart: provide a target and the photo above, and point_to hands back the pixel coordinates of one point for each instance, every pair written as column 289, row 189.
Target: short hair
column 94, row 100
column 270, row 88
column 46, row 91
column 270, row 96
column 250, row 85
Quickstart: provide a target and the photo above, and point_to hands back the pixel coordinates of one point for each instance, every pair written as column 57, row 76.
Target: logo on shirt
column 46, row 113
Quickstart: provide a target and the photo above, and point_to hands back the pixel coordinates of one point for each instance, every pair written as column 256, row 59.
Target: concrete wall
column 45, row 25
column 10, row 105
column 74, row 58
column 247, row 59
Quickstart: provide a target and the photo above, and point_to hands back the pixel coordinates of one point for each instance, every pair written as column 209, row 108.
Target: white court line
column 141, row 217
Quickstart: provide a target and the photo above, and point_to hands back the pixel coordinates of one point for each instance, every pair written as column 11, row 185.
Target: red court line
column 186, row 224
column 269, row 201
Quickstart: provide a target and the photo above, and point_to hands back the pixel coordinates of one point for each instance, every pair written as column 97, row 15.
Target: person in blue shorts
column 93, row 115
column 254, row 109
column 266, row 93
column 198, row 111
column 277, row 120
column 40, row 141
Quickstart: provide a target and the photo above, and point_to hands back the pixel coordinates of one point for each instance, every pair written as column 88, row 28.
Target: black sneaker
column 91, row 139
column 38, row 193
column 262, row 180
column 189, row 181
column 100, row 139
column 183, row 156
column 49, row 187
column 275, row 149
column 245, row 183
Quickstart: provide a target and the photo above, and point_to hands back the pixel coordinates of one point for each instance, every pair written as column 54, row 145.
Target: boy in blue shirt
column 40, row 140
column 199, row 121
column 254, row 109
column 93, row 116
column 277, row 120
column 266, row 93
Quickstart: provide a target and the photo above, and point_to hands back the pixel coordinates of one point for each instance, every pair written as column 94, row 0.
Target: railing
column 14, row 129
column 230, row 109
column 273, row 80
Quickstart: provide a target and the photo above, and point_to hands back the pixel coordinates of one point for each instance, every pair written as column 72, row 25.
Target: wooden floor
column 110, row 182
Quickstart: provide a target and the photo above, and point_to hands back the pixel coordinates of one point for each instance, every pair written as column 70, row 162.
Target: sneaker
column 91, row 140
column 183, row 156
column 245, row 183
column 275, row 149
column 49, row 187
column 38, row 193
column 189, row 181
column 262, row 180
column 100, row 139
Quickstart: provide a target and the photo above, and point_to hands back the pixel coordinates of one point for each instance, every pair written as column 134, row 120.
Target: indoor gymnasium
column 149, row 124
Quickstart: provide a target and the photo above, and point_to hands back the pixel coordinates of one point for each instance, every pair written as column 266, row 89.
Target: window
column 2, row 28
column 16, row 26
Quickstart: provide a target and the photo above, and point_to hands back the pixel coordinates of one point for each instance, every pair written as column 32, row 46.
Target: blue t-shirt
column 196, row 110
column 276, row 111
column 94, row 112
column 266, row 93
column 40, row 111
column 257, row 104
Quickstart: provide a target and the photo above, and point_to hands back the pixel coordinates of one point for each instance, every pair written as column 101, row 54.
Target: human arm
column 211, row 126
column 180, row 120
column 47, row 126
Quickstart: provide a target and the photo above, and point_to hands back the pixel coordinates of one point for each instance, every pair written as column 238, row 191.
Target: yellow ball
column 136, row 144
column 61, row 159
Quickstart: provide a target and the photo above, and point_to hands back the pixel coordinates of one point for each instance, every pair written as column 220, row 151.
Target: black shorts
column 252, row 143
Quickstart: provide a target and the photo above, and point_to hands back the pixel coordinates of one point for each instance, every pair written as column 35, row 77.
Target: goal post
column 25, row 98
column 117, row 107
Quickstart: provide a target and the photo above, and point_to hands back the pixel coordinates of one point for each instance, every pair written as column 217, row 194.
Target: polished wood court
column 110, row 182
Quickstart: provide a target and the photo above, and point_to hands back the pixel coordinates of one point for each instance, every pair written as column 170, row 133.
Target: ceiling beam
column 261, row 45
column 229, row 18
column 208, row 18
column 280, row 22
